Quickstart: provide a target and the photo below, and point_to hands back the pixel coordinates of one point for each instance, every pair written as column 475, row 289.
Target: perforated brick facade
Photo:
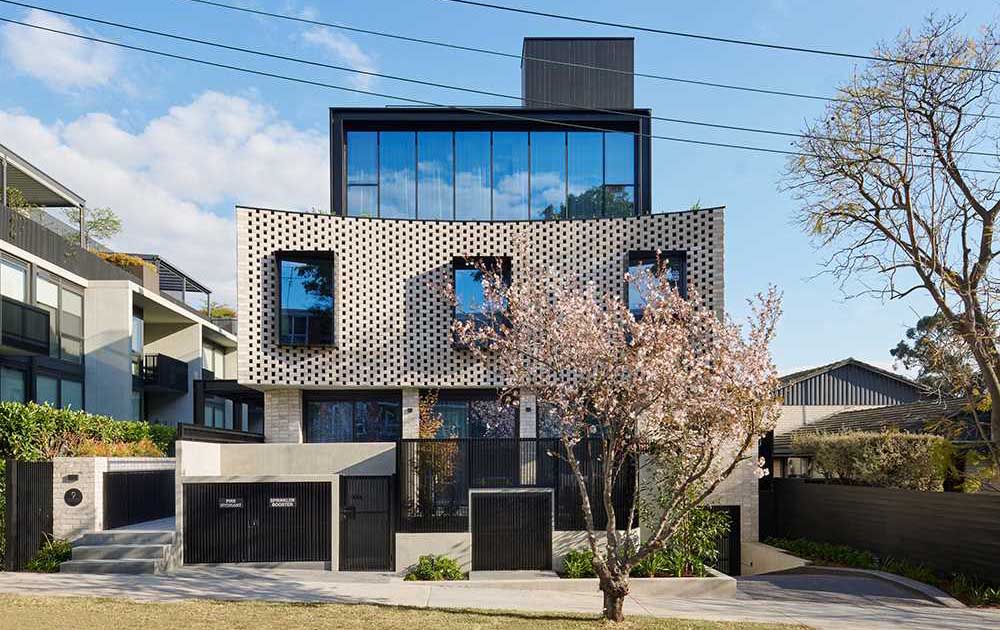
column 392, row 319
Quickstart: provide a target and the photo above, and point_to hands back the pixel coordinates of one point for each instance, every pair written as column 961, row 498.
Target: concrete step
column 120, row 552
column 124, row 537
column 134, row 566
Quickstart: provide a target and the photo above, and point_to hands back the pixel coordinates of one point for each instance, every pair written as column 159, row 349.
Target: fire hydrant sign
column 282, row 502
column 231, row 503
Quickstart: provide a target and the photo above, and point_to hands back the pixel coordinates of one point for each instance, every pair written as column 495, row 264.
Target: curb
column 927, row 591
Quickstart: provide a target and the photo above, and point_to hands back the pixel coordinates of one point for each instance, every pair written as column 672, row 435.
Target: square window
column 673, row 264
column 306, row 288
column 470, row 289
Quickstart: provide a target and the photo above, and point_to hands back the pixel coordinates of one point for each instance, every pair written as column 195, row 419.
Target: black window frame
column 344, row 120
column 351, row 396
column 639, row 257
column 306, row 256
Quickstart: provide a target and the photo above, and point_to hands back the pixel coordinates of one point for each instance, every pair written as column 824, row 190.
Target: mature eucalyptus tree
column 899, row 178
column 679, row 397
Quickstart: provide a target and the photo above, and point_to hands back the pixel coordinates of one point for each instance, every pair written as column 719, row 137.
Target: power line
column 250, row 51
column 542, row 60
column 406, row 99
column 724, row 40
column 509, row 55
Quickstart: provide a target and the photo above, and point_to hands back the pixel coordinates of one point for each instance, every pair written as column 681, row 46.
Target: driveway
column 823, row 602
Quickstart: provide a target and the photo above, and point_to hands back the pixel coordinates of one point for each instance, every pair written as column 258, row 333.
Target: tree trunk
column 615, row 588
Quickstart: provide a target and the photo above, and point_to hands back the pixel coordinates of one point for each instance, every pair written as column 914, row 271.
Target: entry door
column 366, row 527
column 511, row 531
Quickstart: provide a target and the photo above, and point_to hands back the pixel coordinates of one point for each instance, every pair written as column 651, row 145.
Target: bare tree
column 678, row 396
column 899, row 179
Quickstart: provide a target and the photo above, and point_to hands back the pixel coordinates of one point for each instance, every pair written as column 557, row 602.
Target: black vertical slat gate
column 511, row 531
column 137, row 496
column 366, row 524
column 28, row 514
column 257, row 522
column 728, row 545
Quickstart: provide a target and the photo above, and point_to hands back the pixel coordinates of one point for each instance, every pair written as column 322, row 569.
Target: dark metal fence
column 137, row 496
column 949, row 531
column 512, row 530
column 435, row 477
column 729, row 544
column 28, row 515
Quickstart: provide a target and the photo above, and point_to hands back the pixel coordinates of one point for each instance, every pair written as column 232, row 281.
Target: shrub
column 840, row 555
column 125, row 261
column 431, row 568
column 579, row 564
column 93, row 448
column 655, row 564
column 693, row 545
column 889, row 459
column 33, row 432
column 54, row 552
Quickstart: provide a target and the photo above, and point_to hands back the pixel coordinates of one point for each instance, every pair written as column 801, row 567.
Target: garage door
column 257, row 522
column 511, row 531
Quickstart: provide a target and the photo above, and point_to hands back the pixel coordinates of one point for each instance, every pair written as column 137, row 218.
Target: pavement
column 825, row 602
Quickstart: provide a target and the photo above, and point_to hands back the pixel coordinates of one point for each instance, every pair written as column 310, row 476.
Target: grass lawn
column 58, row 613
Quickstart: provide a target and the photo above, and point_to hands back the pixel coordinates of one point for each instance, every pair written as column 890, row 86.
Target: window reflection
column 397, row 175
column 470, row 294
column 473, row 416
column 548, row 175
column 435, row 172
column 585, row 156
column 484, row 175
column 362, row 173
column 306, row 316
column 510, row 175
column 472, row 175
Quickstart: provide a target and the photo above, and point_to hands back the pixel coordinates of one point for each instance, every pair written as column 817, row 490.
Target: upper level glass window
column 472, row 175
column 13, row 280
column 490, row 175
column 435, row 175
column 397, row 159
column 510, row 175
column 306, row 299
column 670, row 264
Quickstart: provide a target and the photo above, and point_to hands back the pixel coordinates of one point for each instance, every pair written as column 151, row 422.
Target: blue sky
column 172, row 147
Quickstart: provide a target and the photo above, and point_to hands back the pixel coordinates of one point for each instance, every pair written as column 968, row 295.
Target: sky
column 172, row 147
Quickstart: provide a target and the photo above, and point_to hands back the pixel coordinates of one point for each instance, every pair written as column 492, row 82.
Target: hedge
column 890, row 459
column 33, row 432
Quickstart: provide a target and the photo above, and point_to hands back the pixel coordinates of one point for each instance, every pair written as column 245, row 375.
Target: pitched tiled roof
column 801, row 375
column 911, row 418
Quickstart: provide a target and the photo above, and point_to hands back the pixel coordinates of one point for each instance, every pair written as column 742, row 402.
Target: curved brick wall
column 392, row 324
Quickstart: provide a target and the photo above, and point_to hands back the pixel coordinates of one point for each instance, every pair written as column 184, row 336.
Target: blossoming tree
column 679, row 396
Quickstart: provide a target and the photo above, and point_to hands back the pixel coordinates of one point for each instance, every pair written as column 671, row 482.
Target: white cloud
column 63, row 63
column 161, row 179
column 346, row 51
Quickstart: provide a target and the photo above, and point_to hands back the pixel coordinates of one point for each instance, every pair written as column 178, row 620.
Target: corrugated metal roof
column 38, row 188
column 848, row 382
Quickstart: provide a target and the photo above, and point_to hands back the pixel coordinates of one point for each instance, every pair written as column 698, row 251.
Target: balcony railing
column 162, row 373
column 435, row 477
column 25, row 328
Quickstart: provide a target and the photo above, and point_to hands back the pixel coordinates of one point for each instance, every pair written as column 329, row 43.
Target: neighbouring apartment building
column 344, row 328
column 81, row 333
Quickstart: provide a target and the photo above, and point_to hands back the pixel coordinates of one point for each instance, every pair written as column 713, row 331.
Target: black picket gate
column 511, row 530
column 137, row 496
column 728, row 545
column 367, row 532
column 28, row 515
